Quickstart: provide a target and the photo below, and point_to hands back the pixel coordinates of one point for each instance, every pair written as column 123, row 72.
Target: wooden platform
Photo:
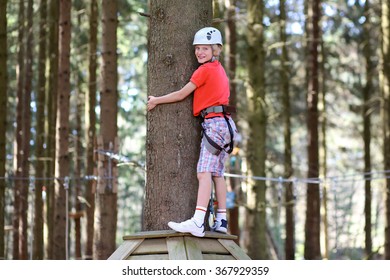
column 171, row 245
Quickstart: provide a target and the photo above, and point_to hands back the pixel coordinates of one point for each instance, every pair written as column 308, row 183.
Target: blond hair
column 217, row 49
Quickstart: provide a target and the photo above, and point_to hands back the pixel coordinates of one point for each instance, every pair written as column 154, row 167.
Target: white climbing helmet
column 208, row 36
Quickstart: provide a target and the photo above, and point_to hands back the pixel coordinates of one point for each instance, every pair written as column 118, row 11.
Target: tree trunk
column 173, row 134
column 18, row 183
column 385, row 112
column 230, row 60
column 313, row 219
column 231, row 49
column 78, row 155
column 368, row 88
column 90, row 124
column 288, row 169
column 324, row 149
column 62, row 142
column 23, row 234
column 106, row 203
column 78, row 137
column 20, row 250
column 3, row 117
column 40, row 136
column 51, row 107
column 257, row 249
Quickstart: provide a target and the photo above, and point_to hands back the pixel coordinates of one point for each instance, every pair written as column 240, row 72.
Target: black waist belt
column 225, row 109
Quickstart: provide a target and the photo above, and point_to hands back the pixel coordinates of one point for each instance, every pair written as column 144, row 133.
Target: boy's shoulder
column 207, row 69
column 210, row 65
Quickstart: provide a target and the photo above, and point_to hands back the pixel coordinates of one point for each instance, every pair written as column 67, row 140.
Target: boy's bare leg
column 220, row 189
column 195, row 225
column 204, row 189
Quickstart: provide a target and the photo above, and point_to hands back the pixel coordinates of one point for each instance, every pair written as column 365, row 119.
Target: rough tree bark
column 288, row 169
column 90, row 124
column 173, row 134
column 62, row 136
column 40, row 136
column 51, row 107
column 106, row 200
column 385, row 111
column 3, row 115
column 256, row 148
column 313, row 219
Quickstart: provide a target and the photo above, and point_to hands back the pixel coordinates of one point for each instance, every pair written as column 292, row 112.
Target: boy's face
column 203, row 53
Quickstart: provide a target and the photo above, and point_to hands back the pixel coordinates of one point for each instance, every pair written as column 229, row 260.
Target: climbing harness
column 215, row 149
column 211, row 146
column 225, row 109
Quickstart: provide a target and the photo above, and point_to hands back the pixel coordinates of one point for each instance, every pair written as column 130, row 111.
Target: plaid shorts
column 218, row 131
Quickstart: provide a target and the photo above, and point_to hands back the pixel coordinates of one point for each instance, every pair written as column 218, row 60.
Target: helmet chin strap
column 214, row 58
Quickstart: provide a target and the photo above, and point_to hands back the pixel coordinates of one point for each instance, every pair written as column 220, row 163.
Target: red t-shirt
column 212, row 87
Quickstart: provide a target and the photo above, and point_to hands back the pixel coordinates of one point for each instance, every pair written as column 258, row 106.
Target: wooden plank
column 152, row 246
column 193, row 248
column 154, row 234
column 234, row 249
column 172, row 233
column 125, row 249
column 208, row 245
column 176, row 248
column 218, row 257
column 217, row 235
column 149, row 257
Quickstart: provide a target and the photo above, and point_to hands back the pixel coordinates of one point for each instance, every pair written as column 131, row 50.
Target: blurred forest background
column 310, row 80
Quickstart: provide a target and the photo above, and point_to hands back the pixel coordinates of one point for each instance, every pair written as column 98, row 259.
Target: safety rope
column 385, row 174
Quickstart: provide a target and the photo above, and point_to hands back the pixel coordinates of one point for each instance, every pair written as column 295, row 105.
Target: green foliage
column 132, row 61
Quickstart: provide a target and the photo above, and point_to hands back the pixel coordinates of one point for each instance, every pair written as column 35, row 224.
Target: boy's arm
column 172, row 97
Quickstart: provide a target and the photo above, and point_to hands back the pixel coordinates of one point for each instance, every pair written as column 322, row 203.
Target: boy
column 211, row 97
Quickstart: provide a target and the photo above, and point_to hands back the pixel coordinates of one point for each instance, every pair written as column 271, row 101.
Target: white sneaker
column 189, row 226
column 220, row 226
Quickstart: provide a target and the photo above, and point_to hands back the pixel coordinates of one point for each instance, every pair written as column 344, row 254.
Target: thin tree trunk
column 26, row 133
column 106, row 203
column 18, row 183
column 3, row 117
column 90, row 124
column 173, row 134
column 78, row 171
column 258, row 248
column 231, row 62
column 51, row 107
column 368, row 54
column 324, row 149
column 231, row 49
column 26, row 125
column 288, row 169
column 40, row 136
column 218, row 9
column 78, row 137
column 385, row 112
column 62, row 126
column 313, row 219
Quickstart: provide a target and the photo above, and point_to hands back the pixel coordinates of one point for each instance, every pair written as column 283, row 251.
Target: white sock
column 221, row 214
column 200, row 213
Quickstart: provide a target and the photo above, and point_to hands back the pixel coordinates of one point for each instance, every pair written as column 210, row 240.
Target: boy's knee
column 203, row 175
